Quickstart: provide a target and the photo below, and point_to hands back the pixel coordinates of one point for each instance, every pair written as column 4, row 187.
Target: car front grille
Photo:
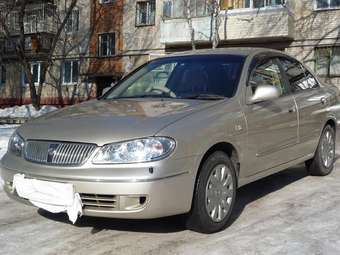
column 58, row 153
column 99, row 201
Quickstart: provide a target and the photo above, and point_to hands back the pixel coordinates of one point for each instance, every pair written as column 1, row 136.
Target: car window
column 268, row 73
column 154, row 81
column 298, row 76
column 183, row 77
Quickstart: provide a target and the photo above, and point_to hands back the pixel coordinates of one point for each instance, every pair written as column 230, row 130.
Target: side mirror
column 265, row 93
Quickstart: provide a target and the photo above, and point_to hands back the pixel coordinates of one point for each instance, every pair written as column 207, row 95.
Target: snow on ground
column 5, row 133
column 25, row 111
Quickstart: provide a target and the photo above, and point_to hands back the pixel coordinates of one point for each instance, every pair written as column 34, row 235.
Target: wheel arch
column 332, row 123
column 225, row 147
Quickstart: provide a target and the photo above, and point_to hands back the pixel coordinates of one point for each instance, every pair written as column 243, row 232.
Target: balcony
column 251, row 25
column 39, row 18
column 35, row 45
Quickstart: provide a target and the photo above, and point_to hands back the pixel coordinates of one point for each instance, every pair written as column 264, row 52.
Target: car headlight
column 135, row 151
column 16, row 144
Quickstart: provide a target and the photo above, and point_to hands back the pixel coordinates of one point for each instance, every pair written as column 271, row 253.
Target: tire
column 212, row 189
column 319, row 165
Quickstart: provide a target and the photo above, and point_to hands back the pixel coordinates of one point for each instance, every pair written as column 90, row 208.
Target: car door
column 273, row 124
column 311, row 100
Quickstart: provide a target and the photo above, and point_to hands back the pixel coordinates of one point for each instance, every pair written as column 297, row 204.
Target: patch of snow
column 25, row 111
column 5, row 133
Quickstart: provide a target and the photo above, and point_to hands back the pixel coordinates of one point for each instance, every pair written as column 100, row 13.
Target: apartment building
column 307, row 29
column 70, row 63
column 108, row 38
column 106, row 43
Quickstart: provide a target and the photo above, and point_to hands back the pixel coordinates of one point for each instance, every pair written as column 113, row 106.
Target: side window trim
column 283, row 77
column 303, row 69
column 275, row 59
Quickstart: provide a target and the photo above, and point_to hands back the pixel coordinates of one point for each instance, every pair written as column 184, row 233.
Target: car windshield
column 206, row 77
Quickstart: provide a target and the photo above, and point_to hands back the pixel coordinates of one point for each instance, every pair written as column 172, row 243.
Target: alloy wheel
column 327, row 149
column 219, row 193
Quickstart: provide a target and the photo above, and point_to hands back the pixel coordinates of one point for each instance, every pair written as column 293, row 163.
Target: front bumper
column 160, row 197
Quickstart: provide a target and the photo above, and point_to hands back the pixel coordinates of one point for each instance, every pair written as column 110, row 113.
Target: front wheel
column 214, row 196
column 323, row 162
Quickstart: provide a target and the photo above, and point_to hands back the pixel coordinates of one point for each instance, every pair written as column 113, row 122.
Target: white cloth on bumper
column 51, row 196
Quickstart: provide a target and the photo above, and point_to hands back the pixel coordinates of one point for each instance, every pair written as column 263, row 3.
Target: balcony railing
column 34, row 44
column 39, row 18
column 239, row 24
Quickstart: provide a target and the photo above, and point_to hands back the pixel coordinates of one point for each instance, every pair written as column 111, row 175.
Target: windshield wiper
column 204, row 97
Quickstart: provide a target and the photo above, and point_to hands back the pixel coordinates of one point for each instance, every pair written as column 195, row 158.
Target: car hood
column 104, row 121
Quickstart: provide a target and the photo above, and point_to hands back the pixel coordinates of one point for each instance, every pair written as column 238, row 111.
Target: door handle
column 323, row 100
column 292, row 109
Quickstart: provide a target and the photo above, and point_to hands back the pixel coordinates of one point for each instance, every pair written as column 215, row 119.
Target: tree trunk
column 215, row 24
column 60, row 93
column 191, row 28
column 33, row 91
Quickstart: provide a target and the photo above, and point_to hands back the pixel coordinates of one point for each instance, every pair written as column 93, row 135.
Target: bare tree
column 188, row 16
column 13, row 31
column 212, row 8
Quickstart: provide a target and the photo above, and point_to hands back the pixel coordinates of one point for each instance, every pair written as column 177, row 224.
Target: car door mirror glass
column 264, row 93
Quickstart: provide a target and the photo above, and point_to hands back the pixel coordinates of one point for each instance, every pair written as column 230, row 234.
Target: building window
column 327, row 61
column 167, row 8
column 36, row 74
column 2, row 75
column 327, row 4
column 31, row 24
column 107, row 43
column 240, row 4
column 145, row 13
column 106, row 1
column 72, row 24
column 71, row 72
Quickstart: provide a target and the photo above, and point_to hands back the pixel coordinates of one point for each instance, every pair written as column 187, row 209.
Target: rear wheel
column 323, row 162
column 214, row 196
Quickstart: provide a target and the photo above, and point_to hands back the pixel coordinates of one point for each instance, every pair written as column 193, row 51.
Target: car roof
column 242, row 51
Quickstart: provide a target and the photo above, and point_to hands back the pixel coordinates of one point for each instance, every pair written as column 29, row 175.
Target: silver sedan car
column 179, row 135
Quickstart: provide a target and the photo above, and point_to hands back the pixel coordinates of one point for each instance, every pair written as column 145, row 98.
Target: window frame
column 24, row 78
column 106, row 1
column 150, row 4
column 251, row 6
column 72, row 61
column 113, row 47
column 316, row 8
column 74, row 24
column 329, row 61
column 305, row 71
column 31, row 23
column 262, row 60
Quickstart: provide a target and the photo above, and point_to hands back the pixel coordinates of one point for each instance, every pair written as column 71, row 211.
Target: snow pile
column 25, row 111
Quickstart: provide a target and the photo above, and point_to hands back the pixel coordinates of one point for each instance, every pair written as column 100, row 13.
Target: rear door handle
column 292, row 109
